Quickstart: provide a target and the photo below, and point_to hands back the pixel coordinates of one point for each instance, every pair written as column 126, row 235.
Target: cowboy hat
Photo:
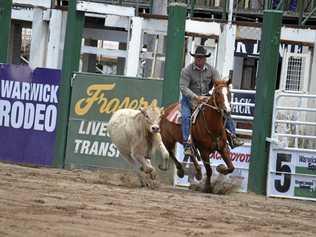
column 200, row 51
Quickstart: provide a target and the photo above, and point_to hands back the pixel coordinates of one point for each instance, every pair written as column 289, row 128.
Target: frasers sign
column 98, row 97
column 28, row 113
column 245, row 48
column 94, row 99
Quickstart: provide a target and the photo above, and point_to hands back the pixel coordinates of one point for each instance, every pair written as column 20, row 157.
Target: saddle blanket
column 175, row 115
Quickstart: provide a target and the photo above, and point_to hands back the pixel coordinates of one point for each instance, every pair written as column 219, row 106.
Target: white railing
column 292, row 157
column 293, row 122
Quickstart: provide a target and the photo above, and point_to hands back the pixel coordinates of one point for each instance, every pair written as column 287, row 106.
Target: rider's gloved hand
column 202, row 99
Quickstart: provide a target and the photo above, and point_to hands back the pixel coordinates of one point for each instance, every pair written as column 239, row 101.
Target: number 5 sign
column 292, row 174
column 281, row 168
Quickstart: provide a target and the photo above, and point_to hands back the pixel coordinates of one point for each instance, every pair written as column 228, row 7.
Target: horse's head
column 221, row 95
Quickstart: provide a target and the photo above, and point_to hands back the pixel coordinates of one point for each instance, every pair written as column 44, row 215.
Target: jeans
column 230, row 125
column 186, row 117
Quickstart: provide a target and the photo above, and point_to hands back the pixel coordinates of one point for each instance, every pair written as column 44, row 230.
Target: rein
column 211, row 106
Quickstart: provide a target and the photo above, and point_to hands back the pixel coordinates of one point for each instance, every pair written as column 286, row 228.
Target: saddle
column 175, row 115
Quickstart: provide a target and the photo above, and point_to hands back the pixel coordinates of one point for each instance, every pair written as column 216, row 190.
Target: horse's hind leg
column 225, row 155
column 180, row 170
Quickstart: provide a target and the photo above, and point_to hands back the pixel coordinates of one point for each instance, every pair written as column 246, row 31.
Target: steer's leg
column 147, row 173
column 138, row 153
column 136, row 166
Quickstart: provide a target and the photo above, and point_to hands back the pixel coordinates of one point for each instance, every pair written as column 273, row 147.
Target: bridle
column 215, row 105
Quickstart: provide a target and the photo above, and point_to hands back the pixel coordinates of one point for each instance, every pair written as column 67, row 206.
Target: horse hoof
column 180, row 173
column 198, row 175
column 221, row 169
column 207, row 189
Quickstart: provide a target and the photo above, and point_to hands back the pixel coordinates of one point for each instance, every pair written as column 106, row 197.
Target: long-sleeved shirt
column 196, row 82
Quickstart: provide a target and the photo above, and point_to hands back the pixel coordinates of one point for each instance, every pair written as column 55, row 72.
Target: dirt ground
column 51, row 202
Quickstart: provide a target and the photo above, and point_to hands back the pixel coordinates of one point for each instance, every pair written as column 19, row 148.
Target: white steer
column 136, row 134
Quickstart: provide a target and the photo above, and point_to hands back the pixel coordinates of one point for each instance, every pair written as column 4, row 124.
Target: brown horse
column 208, row 133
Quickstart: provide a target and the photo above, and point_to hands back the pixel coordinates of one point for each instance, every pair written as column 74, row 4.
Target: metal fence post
column 71, row 57
column 300, row 11
column 175, row 50
column 5, row 25
column 193, row 2
column 267, row 4
column 265, row 88
column 224, row 13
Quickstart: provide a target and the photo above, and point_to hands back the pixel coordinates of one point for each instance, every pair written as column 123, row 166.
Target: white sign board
column 292, row 174
column 240, row 157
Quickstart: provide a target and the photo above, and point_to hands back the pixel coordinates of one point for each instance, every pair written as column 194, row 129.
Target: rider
column 195, row 83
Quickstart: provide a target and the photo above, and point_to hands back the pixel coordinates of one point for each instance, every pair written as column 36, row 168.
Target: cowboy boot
column 187, row 149
column 235, row 142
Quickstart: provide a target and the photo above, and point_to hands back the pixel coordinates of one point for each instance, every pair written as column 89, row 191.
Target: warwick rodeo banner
column 28, row 113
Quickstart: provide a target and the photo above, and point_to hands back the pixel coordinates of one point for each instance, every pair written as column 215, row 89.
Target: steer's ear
column 162, row 111
column 143, row 110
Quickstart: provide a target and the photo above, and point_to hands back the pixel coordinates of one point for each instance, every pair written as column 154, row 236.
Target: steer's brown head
column 152, row 117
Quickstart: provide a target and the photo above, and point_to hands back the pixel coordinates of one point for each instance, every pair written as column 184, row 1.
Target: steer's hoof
column 147, row 181
column 147, row 169
column 162, row 168
column 153, row 175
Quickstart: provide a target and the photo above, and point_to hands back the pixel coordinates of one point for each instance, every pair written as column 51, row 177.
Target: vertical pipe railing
column 224, row 14
column 174, row 52
column 71, row 57
column 193, row 2
column 266, row 84
column 300, row 11
column 5, row 26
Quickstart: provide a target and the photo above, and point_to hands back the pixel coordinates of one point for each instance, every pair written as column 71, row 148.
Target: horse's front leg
column 206, row 162
column 198, row 170
column 224, row 151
